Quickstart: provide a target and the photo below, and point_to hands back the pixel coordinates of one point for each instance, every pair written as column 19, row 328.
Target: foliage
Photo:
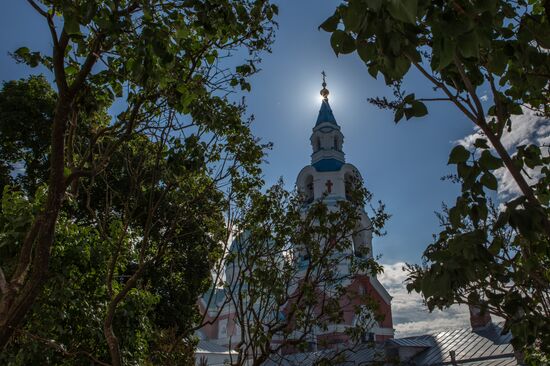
column 153, row 216
column 495, row 260
column 67, row 317
column 147, row 151
column 288, row 270
column 65, row 325
column 26, row 113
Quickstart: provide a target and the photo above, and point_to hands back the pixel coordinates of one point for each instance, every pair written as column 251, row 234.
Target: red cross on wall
column 329, row 185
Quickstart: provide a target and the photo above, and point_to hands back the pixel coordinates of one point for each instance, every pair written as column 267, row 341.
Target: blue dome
column 325, row 113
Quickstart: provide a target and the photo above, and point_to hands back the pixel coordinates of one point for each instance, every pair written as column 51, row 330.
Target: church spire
column 324, row 91
column 326, row 139
column 325, row 113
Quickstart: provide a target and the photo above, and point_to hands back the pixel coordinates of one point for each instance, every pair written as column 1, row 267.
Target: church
column 329, row 178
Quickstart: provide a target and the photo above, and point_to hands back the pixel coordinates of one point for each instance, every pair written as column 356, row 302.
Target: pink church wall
column 384, row 309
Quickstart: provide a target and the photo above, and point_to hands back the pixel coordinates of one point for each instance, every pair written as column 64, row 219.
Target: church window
column 336, row 147
column 367, row 337
column 358, row 246
column 318, row 144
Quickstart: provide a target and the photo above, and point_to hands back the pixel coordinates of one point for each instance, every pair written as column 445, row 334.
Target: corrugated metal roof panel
column 485, row 346
column 421, row 342
column 482, row 348
column 210, row 347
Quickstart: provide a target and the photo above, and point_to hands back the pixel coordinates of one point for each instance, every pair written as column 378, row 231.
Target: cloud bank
column 410, row 315
column 527, row 128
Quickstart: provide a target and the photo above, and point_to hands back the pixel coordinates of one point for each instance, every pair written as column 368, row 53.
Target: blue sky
column 401, row 164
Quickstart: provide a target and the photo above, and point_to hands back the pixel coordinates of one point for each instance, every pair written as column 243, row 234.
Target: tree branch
column 38, row 9
column 446, row 90
column 471, row 90
column 3, row 283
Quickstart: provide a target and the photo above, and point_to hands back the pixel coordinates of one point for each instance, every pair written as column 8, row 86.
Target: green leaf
column 398, row 115
column 342, row 42
column 454, row 217
column 210, row 58
column 447, row 52
column 331, row 24
column 402, row 65
column 367, row 51
column 463, row 170
column 459, row 154
column 71, row 70
column 488, row 162
column 403, row 10
column 468, row 45
column 419, row 109
column 489, row 181
column 409, row 113
column 481, row 144
column 409, row 98
column 497, row 62
column 22, row 52
column 353, row 15
column 496, row 245
column 117, row 88
column 374, row 4
column 71, row 25
column 515, row 108
column 373, row 70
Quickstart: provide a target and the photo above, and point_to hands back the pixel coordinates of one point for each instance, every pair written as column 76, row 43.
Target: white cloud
column 527, row 128
column 410, row 315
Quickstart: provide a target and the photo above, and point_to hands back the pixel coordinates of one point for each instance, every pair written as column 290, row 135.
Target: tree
column 136, row 244
column 26, row 114
column 155, row 61
column 459, row 47
column 288, row 272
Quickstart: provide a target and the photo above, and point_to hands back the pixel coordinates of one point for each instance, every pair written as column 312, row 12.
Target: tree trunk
column 112, row 342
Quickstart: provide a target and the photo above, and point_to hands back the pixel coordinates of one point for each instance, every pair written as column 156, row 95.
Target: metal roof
column 325, row 114
column 359, row 355
column 417, row 342
column 484, row 347
column 210, row 347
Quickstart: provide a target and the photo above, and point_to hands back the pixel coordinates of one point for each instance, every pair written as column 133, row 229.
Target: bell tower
column 330, row 179
column 326, row 140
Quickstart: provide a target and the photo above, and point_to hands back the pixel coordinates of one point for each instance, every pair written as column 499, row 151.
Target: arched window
column 336, row 147
column 359, row 248
column 317, row 144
